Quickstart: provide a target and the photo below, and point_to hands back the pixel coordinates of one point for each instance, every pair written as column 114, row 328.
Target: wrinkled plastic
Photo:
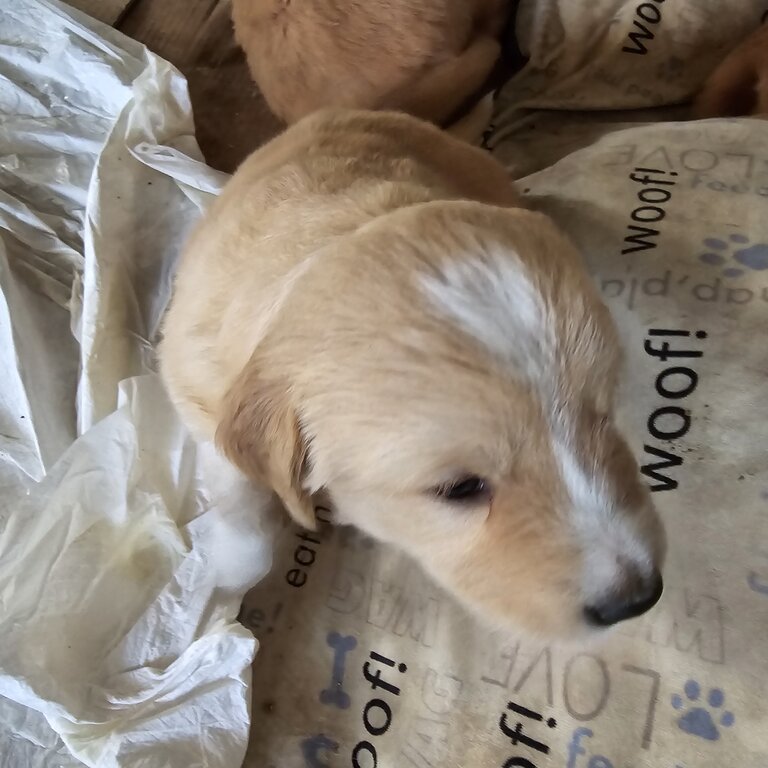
column 117, row 645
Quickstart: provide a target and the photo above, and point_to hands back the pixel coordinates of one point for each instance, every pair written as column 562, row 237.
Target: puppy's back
column 319, row 181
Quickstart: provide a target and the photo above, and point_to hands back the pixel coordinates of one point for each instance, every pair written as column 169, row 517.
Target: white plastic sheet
column 114, row 638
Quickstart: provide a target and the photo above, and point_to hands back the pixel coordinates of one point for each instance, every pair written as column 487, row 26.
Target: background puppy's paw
column 739, row 86
column 473, row 125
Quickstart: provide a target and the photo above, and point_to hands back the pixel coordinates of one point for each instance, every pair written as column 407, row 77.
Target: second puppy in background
column 431, row 59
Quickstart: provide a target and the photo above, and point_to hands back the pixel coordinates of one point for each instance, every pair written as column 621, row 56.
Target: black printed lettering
column 667, row 423
column 639, row 239
column 654, row 195
column 381, row 706
column 367, row 747
column 305, row 554
column 377, row 713
column 690, row 380
column 517, row 733
column 654, row 192
column 638, row 38
column 645, row 13
column 678, row 416
column 296, row 578
column 648, row 213
column 653, row 471
column 649, row 13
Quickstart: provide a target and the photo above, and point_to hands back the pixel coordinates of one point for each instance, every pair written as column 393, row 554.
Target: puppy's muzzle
column 628, row 603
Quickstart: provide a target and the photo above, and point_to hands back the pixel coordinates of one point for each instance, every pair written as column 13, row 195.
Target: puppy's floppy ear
column 259, row 432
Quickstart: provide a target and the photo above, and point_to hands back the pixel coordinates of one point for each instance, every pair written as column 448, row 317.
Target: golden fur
column 368, row 311
column 424, row 57
column 739, row 86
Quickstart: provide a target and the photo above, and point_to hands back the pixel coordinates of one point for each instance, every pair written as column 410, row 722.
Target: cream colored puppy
column 430, row 58
column 368, row 311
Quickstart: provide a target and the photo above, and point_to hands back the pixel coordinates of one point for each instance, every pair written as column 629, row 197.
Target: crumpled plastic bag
column 118, row 638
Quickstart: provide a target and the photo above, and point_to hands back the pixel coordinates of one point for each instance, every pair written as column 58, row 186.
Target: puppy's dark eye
column 466, row 489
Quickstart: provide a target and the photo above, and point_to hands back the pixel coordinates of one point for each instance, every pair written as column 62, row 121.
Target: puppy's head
column 448, row 377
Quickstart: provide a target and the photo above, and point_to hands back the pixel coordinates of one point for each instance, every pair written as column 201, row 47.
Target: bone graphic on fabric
column 334, row 694
column 313, row 746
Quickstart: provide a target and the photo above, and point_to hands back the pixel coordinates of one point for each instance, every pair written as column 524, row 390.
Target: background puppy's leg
column 214, row 44
column 444, row 88
column 471, row 127
column 731, row 91
column 491, row 16
column 739, row 86
column 762, row 96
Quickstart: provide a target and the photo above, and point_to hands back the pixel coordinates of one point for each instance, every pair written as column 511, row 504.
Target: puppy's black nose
column 626, row 604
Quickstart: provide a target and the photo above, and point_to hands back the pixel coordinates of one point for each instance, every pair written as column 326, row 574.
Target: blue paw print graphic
column 735, row 248
column 699, row 719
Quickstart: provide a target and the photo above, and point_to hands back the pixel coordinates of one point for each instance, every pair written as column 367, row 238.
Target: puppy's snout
column 639, row 596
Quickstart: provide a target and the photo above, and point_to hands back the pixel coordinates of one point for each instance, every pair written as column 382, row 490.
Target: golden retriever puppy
column 367, row 311
column 739, row 86
column 428, row 58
